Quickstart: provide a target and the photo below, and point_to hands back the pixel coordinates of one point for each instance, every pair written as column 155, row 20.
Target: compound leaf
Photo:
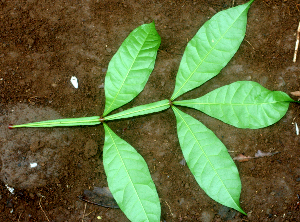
column 129, row 69
column 129, row 179
column 141, row 110
column 243, row 104
column 211, row 48
column 208, row 160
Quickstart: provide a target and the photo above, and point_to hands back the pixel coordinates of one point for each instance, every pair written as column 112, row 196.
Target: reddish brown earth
column 44, row 43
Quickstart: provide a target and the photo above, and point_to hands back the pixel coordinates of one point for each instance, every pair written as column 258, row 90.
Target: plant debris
column 296, row 93
column 258, row 154
column 100, row 196
column 242, row 158
column 297, row 44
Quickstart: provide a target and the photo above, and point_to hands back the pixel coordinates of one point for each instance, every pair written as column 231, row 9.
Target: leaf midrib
column 174, row 108
column 207, row 54
column 115, row 145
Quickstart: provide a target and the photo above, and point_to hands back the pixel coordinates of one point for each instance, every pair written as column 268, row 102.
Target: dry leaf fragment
column 242, row 158
column 260, row 153
column 296, row 93
column 100, row 196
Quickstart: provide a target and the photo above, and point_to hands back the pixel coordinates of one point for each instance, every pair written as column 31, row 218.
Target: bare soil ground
column 44, row 43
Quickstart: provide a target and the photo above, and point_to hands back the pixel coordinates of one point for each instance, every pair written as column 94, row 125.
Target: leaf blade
column 243, row 104
column 129, row 179
column 129, row 69
column 141, row 110
column 209, row 161
column 211, row 48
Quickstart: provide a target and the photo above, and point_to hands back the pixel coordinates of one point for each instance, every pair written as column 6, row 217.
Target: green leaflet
column 208, row 160
column 87, row 121
column 211, row 48
column 129, row 69
column 141, row 110
column 243, row 104
column 129, row 179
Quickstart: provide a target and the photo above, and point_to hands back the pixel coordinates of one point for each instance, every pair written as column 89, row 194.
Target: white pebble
column 297, row 129
column 74, row 82
column 32, row 165
column 10, row 189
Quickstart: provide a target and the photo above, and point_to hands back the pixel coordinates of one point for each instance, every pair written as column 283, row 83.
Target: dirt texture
column 44, row 43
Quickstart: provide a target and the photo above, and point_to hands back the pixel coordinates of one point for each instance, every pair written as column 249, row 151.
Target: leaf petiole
column 141, row 110
column 83, row 121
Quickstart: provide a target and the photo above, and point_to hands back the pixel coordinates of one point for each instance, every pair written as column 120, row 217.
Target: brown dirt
column 44, row 43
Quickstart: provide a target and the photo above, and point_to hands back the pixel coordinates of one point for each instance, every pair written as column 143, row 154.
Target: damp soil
column 43, row 44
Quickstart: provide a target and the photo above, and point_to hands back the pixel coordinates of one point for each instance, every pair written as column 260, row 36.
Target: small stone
column 36, row 146
column 9, row 204
column 264, row 80
column 108, row 50
column 207, row 216
column 249, row 215
column 182, row 162
column 90, row 149
column 227, row 213
column 31, row 195
column 30, row 42
column 272, row 193
column 181, row 201
column 281, row 82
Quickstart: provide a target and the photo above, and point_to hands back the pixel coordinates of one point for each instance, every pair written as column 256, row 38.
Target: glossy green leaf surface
column 83, row 121
column 141, row 110
column 243, row 104
column 208, row 160
column 129, row 69
column 211, row 48
column 129, row 179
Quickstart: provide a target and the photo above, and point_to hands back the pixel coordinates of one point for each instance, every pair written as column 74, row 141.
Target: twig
column 232, row 3
column 20, row 216
column 249, row 44
column 297, row 44
column 169, row 208
column 84, row 212
column 43, row 210
column 90, row 213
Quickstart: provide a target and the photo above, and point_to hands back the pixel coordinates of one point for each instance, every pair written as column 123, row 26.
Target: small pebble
column 207, row 216
column 182, row 162
column 33, row 165
column 74, row 82
column 281, row 82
